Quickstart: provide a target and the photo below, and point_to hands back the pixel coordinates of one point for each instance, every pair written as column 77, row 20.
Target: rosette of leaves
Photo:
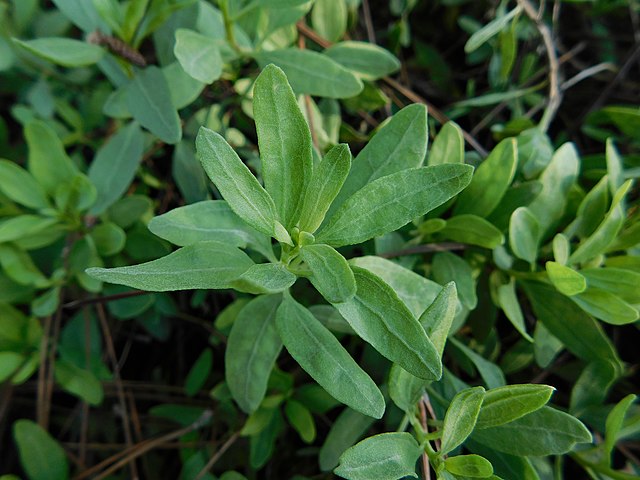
column 310, row 210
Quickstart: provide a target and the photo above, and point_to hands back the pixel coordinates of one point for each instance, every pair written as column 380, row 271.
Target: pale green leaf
column 524, row 234
column 510, row 305
column 438, row 317
column 284, row 140
column 623, row 283
column 301, row 420
column 236, row 183
column 472, row 230
column 614, row 423
column 505, row 404
column 448, row 267
column 63, row 51
column 387, row 456
column 473, row 466
column 606, row 306
column 20, row 186
column 21, row 226
column 321, row 355
column 390, row 202
column 206, row 265
column 348, row 427
column 367, row 60
column 264, row 278
column 79, row 382
column 565, row 279
column 491, row 374
column 329, row 18
column 198, row 55
column 461, row 418
column 252, row 350
column 330, row 272
column 490, row 30
column 312, row 73
column 380, row 318
column 448, row 147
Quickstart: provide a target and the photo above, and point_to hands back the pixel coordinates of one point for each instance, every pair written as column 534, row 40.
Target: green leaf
column 264, row 278
column 387, row 456
column 312, row 73
column 79, row 382
column 490, row 372
column 330, row 272
column 438, row 317
column 326, row 181
column 40, row 455
column 199, row 373
column 20, row 186
column 329, row 18
column 561, row 248
column 63, row 51
column 415, row 291
column 236, row 183
column 321, row 355
column 391, row 202
column 592, row 386
column 623, row 283
column 606, row 232
column 81, row 13
column 448, row 147
column 206, row 265
column 48, row 161
column 557, row 179
column 188, row 174
column 109, row 238
column 472, row 230
column 22, row 226
column 19, row 266
column 606, row 306
column 252, row 350
column 490, row 181
column 519, row 195
column 473, row 466
column 563, row 319
column 348, row 427
column 284, row 140
column 448, row 267
column 614, row 423
column 301, row 420
column 149, row 101
column 47, row 303
column 115, row 166
column 405, row 389
column 380, row 318
column 183, row 87
column 565, row 279
column 461, row 418
column 209, row 220
column 399, row 145
column 508, row 302
column 506, row 404
column 366, row 60
column 198, row 55
column 544, row 432
column 524, row 234
column 591, row 211
column 490, row 30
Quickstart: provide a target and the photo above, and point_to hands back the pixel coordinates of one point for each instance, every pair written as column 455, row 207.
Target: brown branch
column 366, row 13
column 425, row 459
column 42, row 372
column 104, row 299
column 217, row 455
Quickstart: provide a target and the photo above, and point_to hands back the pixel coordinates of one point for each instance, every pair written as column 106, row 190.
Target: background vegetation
column 101, row 102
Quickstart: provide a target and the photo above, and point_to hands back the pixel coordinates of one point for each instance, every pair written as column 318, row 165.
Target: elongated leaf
column 473, row 230
column 197, row 376
column 79, row 382
column 380, row 318
column 591, row 211
column 524, row 234
column 606, row 306
column 149, row 101
column 285, row 143
column 519, row 195
column 23, row 226
column 19, row 266
column 593, row 385
column 209, row 220
column 415, row 291
column 399, row 145
column 63, row 51
column 20, row 186
column 544, row 432
column 490, row 30
column 202, row 265
column 327, row 180
column 387, row 456
column 82, row 14
column 237, row 185
column 623, row 283
column 312, row 73
column 48, row 161
column 329, row 18
column 506, row 404
column 614, row 423
column 461, row 418
column 563, row 319
column 490, row 181
column 448, row 267
column 491, row 374
column 348, row 427
column 252, row 350
column 264, row 278
column 448, row 147
column 473, row 466
column 566, row 279
column 41, row 456
column 366, row 60
column 198, row 55
column 405, row 389
column 390, row 202
column 330, row 272
column 557, row 179
column 115, row 165
column 183, row 87
column 606, row 232
column 188, row 173
column 328, row 363
column 508, row 302
column 438, row 317
column 301, row 420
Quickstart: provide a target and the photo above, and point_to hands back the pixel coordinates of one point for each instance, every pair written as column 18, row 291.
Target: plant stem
column 228, row 25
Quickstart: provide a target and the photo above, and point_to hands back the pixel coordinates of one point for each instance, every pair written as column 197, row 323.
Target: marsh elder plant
column 311, row 208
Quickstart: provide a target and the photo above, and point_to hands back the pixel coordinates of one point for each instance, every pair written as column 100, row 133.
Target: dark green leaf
column 448, row 267
column 510, row 305
column 473, row 466
column 623, row 283
column 301, row 420
column 20, row 186
column 614, row 423
column 199, row 373
column 491, row 374
column 606, row 306
column 41, row 456
column 472, row 230
column 506, row 404
column 348, row 427
column 63, row 51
